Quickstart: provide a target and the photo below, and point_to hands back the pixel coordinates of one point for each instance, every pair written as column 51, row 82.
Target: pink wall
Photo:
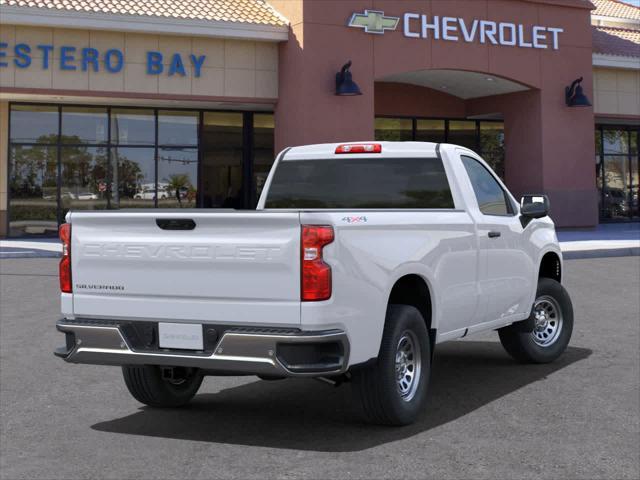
column 550, row 147
column 410, row 100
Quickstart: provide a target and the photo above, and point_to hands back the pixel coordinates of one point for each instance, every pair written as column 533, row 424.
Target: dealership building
column 145, row 104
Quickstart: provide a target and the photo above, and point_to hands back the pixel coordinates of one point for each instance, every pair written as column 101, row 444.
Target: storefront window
column 178, row 128
column 263, row 154
column 617, row 172
column 492, row 145
column 484, row 137
column 635, row 187
column 635, row 175
column 222, row 149
column 33, row 190
column 68, row 157
column 84, row 177
column 84, row 125
column 463, row 133
column 431, row 131
column 134, row 175
column 615, row 141
column 599, row 168
column 177, row 177
column 34, row 124
column 616, row 192
column 394, row 129
column 133, row 127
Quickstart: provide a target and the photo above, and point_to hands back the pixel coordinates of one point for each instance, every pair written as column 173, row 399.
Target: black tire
column 377, row 386
column 526, row 347
column 146, row 384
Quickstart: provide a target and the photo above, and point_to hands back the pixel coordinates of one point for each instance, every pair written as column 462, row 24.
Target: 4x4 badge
column 373, row 21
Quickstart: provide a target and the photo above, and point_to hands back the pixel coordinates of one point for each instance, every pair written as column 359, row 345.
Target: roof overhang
column 616, row 61
column 45, row 17
column 462, row 84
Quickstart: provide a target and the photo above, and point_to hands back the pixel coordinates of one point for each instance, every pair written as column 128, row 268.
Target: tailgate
column 233, row 267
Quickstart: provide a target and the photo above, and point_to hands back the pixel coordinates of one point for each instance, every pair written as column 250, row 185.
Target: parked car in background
column 148, row 192
column 79, row 195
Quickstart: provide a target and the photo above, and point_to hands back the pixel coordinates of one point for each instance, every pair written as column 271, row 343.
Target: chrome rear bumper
column 238, row 351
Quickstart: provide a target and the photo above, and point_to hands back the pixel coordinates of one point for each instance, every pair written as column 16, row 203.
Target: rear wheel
column 161, row 387
column 552, row 318
column 393, row 390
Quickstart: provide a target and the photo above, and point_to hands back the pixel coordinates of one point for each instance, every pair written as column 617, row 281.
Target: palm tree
column 177, row 183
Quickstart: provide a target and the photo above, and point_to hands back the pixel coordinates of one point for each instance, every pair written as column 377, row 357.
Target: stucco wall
column 616, row 92
column 397, row 99
column 232, row 68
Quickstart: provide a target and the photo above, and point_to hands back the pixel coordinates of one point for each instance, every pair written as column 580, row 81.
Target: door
column 506, row 271
column 617, row 173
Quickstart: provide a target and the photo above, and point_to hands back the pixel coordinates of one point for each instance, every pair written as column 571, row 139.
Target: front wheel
column 148, row 385
column 552, row 317
column 393, row 390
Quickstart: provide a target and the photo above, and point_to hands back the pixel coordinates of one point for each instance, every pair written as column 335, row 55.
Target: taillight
column 315, row 274
column 64, row 232
column 360, row 148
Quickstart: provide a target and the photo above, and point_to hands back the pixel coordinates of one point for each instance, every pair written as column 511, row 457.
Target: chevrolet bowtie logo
column 373, row 21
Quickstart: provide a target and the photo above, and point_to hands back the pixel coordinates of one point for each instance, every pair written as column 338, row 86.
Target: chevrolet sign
column 373, row 21
column 454, row 29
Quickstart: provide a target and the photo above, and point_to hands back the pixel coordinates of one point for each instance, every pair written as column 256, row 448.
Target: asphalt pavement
column 487, row 417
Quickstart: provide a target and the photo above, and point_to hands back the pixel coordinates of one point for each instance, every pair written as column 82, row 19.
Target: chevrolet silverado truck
column 359, row 259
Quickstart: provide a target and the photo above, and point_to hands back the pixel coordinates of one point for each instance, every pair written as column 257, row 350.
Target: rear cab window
column 361, row 183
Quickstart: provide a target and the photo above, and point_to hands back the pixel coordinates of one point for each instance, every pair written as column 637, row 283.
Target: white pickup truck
column 359, row 260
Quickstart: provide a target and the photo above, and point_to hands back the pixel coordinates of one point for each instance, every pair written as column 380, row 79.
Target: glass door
column 635, row 175
column 617, row 173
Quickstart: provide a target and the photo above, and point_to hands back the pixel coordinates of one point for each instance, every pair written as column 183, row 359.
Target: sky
column 632, row 2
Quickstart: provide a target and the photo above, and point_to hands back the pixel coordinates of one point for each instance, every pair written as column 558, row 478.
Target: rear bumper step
column 244, row 350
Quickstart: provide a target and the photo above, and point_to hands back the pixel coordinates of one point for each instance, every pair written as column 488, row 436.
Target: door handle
column 494, row 234
column 175, row 223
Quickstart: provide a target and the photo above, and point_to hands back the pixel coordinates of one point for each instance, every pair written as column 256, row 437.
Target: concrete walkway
column 609, row 240
column 30, row 248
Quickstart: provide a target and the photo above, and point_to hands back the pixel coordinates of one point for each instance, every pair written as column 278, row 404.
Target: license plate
column 185, row 336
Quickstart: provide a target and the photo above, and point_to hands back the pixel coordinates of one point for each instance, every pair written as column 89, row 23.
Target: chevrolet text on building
column 454, row 29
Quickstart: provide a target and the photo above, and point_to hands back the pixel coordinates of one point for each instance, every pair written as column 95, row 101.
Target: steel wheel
column 408, row 365
column 548, row 321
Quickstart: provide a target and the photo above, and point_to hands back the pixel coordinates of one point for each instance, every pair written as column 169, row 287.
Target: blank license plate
column 185, row 336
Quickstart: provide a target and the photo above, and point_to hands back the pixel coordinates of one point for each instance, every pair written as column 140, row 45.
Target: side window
column 492, row 199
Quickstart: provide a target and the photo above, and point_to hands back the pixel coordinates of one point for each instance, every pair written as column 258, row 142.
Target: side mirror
column 534, row 206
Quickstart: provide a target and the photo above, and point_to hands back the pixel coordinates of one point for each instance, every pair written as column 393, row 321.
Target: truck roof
column 327, row 150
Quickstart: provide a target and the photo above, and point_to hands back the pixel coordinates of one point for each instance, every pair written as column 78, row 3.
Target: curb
column 603, row 253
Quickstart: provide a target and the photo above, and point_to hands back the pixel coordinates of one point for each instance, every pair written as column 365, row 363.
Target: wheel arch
column 550, row 266
column 414, row 290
